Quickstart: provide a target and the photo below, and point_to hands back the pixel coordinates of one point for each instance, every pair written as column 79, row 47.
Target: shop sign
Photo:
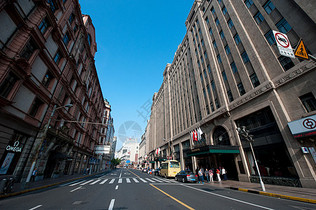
column 303, row 127
column 15, row 147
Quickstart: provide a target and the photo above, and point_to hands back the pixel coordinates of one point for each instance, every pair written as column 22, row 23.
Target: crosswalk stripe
column 95, row 182
column 112, row 180
column 143, row 180
column 157, row 180
column 77, row 183
column 150, row 180
column 164, row 180
column 135, row 180
column 120, row 181
column 103, row 181
column 87, row 182
column 128, row 180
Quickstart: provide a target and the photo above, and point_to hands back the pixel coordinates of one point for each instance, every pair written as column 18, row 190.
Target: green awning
column 152, row 161
column 215, row 149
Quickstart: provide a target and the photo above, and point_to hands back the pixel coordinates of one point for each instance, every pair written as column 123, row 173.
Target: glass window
column 205, row 55
column 57, row 57
column 221, row 33
column 28, row 50
column 53, row 5
column 241, row 89
column 213, row 10
column 286, row 62
column 248, row 3
column 207, row 20
column 217, row 21
column 8, row 84
column 245, row 57
column 254, row 80
column 224, row 10
column 258, row 17
column 230, row 95
column 89, row 39
column 71, row 18
column 47, row 79
column 234, row 67
column 214, row 44
column 227, row 50
column 269, row 7
column 211, row 31
column 283, row 26
column 219, row 58
column 224, row 75
column 230, row 23
column 44, row 25
column 309, row 102
column 209, row 69
column 66, row 39
column 270, row 37
column 35, row 107
column 237, row 39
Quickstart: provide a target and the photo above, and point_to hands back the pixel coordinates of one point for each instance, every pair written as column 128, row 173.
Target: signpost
column 300, row 51
column 283, row 44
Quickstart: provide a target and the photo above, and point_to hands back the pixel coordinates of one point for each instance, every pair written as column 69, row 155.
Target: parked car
column 186, row 176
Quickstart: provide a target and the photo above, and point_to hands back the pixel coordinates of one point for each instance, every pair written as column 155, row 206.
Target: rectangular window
column 221, row 33
column 219, row 58
column 207, row 20
column 227, row 50
column 71, row 18
column 53, row 5
column 230, row 96
column 269, row 7
column 214, row 44
column 270, row 37
column 57, row 57
column 283, row 26
column 258, row 17
column 212, row 107
column 35, row 107
column 47, row 79
column 309, row 102
column 286, row 62
column 234, row 67
column 28, row 50
column 230, row 23
column 8, row 84
column 217, row 22
column 248, row 3
column 66, row 39
column 237, row 39
column 217, row 103
column 44, row 25
column 224, row 75
column 254, row 80
column 211, row 31
column 205, row 55
column 213, row 10
column 209, row 69
column 224, row 10
column 241, row 89
column 245, row 57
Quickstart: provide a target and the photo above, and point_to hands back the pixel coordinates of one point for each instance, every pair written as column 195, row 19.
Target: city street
column 132, row 189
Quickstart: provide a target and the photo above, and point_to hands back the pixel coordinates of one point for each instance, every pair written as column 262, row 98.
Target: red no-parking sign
column 283, row 44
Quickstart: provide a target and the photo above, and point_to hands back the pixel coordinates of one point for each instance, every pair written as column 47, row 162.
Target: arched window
column 220, row 136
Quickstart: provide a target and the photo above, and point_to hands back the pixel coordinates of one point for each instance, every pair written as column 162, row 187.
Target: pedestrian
column 211, row 175
column 34, row 174
column 218, row 175
column 201, row 178
column 224, row 173
column 207, row 175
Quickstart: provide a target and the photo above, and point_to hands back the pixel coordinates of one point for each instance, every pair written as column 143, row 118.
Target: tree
column 115, row 162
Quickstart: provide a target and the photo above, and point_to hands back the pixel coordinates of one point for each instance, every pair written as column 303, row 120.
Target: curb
column 42, row 187
column 274, row 195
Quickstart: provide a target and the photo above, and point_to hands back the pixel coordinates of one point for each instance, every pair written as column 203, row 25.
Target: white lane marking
column 116, row 187
column 157, row 180
column 120, row 174
column 76, row 183
column 111, row 204
column 120, row 181
column 128, row 180
column 135, row 180
column 164, row 180
column 95, row 181
column 223, row 196
column 103, row 181
column 112, row 180
column 143, row 180
column 75, row 189
column 149, row 180
column 35, row 207
column 87, row 182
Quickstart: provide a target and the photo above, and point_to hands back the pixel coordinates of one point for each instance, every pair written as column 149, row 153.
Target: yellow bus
column 170, row 168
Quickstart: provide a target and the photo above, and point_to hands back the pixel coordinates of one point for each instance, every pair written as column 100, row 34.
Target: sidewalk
column 292, row 193
column 20, row 188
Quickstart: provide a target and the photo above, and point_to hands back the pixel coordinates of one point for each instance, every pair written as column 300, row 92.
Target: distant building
column 129, row 152
column 228, row 73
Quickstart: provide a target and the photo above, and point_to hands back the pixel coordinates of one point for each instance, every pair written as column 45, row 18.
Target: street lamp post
column 43, row 138
column 245, row 134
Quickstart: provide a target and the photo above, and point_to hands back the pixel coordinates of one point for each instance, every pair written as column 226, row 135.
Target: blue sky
column 135, row 41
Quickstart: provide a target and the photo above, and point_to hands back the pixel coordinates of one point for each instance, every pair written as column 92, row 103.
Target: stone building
column 228, row 73
column 47, row 75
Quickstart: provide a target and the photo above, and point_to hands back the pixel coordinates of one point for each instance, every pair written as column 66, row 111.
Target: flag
column 200, row 132
column 157, row 151
column 195, row 136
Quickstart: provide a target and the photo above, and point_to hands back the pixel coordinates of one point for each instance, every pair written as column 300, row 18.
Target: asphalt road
column 132, row 189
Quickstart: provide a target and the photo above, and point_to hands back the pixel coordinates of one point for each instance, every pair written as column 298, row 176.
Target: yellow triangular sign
column 300, row 51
